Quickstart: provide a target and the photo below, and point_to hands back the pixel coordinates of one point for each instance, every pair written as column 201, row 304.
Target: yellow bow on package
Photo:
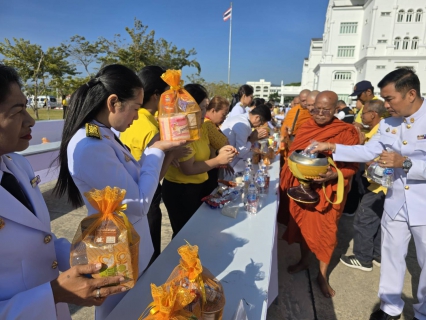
column 107, row 237
column 190, row 288
column 179, row 115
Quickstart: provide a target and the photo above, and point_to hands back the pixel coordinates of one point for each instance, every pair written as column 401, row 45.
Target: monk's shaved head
column 303, row 95
column 310, row 100
column 325, row 107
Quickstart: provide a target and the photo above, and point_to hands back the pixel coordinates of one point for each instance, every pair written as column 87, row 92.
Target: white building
column 365, row 40
column 262, row 89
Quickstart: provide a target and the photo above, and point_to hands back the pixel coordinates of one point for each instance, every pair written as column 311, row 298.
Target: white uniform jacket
column 236, row 110
column 406, row 136
column 238, row 129
column 97, row 163
column 30, row 255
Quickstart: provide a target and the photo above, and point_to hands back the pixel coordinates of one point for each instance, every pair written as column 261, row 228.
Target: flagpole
column 230, row 42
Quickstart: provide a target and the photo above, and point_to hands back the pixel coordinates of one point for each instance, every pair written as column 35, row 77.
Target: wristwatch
column 407, row 164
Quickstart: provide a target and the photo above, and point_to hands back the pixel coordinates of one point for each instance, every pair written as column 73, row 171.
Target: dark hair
column 262, row 111
column 404, row 80
column 84, row 105
column 245, row 89
column 269, row 105
column 197, row 91
column 8, row 75
column 217, row 103
column 152, row 83
column 256, row 102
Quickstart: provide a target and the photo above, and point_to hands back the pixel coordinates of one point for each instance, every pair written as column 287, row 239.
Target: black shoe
column 381, row 315
column 353, row 262
column 415, row 318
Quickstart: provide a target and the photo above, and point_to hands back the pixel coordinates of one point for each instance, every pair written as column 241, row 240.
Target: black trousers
column 358, row 188
column 367, row 223
column 182, row 201
column 211, row 182
column 154, row 220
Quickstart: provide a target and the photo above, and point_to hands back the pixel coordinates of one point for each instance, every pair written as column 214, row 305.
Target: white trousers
column 396, row 235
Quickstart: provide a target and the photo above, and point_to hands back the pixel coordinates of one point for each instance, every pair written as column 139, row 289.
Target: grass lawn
column 45, row 114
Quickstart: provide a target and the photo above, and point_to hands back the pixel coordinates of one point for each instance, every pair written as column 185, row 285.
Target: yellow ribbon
column 127, row 223
column 178, row 87
column 340, row 184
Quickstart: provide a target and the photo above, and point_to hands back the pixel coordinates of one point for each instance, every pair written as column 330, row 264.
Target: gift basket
column 179, row 115
column 107, row 237
column 190, row 289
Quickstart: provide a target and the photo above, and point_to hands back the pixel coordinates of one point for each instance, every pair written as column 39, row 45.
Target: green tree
column 144, row 50
column 82, row 52
column 294, row 84
column 35, row 65
column 274, row 97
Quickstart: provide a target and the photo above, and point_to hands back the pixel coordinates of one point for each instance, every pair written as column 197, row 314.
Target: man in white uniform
column 405, row 134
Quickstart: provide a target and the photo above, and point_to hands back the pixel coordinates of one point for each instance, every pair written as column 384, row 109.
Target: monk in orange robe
column 314, row 226
column 287, row 129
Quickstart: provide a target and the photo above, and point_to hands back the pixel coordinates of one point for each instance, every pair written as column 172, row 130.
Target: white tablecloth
column 241, row 253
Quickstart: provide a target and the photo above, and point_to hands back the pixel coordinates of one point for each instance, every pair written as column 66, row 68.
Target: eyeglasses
column 319, row 111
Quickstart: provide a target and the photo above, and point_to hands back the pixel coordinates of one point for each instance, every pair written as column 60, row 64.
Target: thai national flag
column 227, row 14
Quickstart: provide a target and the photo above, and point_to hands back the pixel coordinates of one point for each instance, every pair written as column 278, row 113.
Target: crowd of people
column 111, row 138
column 385, row 137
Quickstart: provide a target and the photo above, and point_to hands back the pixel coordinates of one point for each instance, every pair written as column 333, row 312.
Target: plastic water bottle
column 387, row 178
column 246, row 176
column 388, row 174
column 252, row 199
column 249, row 165
column 260, row 179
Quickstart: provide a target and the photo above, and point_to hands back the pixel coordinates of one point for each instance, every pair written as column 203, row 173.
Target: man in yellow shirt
column 364, row 92
column 367, row 233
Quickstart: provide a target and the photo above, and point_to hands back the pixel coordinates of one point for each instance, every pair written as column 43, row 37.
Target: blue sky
column 270, row 38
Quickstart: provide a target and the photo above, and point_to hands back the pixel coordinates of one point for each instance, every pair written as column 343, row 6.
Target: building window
column 257, row 89
column 397, row 43
column 348, row 27
column 345, row 51
column 405, row 43
column 410, row 14
column 386, row 14
column 415, row 43
column 343, row 76
column 265, row 89
column 380, row 67
column 401, row 14
column 344, row 97
column 382, row 41
column 419, row 14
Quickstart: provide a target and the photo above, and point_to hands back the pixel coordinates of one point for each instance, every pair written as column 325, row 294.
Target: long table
column 241, row 253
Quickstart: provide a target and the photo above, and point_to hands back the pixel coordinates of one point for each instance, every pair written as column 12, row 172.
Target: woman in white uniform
column 31, row 256
column 245, row 94
column 91, row 156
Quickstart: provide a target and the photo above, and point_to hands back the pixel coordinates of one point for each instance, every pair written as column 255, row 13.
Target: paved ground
column 299, row 296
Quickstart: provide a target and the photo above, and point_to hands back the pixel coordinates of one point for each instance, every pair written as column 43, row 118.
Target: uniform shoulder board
column 92, row 130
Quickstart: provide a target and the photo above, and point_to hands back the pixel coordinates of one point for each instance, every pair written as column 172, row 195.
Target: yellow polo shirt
column 200, row 150
column 358, row 115
column 374, row 187
column 140, row 133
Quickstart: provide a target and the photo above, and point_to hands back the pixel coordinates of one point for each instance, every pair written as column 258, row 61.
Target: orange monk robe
column 304, row 116
column 317, row 223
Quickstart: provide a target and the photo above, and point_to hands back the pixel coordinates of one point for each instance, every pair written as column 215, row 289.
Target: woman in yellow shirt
column 184, row 187
column 216, row 113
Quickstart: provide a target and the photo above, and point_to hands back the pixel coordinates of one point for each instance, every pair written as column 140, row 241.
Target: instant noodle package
column 179, row 115
column 107, row 237
column 191, row 291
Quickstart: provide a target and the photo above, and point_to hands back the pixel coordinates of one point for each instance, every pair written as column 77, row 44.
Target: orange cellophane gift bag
column 179, row 115
column 208, row 298
column 107, row 237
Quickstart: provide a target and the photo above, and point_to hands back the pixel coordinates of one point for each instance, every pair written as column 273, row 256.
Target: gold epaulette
column 92, row 130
